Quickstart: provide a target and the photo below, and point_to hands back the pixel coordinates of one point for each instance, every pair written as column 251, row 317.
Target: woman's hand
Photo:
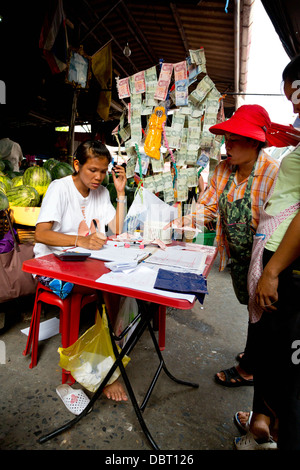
column 95, row 241
column 120, row 180
column 185, row 221
column 266, row 292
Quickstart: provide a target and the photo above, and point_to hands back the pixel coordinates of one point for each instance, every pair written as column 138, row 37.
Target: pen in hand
column 101, row 235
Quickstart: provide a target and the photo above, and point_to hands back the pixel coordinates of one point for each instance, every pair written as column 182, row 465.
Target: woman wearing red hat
column 274, row 306
column 238, row 188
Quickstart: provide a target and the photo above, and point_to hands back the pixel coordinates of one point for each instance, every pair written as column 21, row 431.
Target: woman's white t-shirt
column 72, row 213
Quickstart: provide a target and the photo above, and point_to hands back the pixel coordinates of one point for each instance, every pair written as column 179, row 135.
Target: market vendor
column 75, row 211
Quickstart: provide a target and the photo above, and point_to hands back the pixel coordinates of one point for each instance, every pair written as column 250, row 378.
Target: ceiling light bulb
column 127, row 51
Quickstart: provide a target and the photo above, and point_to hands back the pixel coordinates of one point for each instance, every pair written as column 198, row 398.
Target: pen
column 145, row 257
column 96, row 226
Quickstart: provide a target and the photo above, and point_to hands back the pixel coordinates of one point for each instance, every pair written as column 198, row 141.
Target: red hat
column 252, row 120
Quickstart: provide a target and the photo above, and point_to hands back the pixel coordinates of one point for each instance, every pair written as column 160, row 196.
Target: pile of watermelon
column 27, row 189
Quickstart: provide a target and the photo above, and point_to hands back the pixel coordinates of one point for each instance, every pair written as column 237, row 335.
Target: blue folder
column 188, row 283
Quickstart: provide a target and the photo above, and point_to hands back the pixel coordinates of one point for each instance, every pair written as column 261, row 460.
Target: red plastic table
column 86, row 273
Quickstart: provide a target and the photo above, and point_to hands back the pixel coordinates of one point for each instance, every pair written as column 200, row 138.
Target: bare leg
column 260, row 426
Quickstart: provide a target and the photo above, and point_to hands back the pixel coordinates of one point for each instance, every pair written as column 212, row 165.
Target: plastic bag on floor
column 90, row 358
column 128, row 310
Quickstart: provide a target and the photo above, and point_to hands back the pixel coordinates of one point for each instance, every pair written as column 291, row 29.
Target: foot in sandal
column 234, row 377
column 115, row 391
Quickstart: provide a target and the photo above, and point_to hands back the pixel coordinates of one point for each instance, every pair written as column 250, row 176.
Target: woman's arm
column 116, row 224
column 44, row 234
column 286, row 253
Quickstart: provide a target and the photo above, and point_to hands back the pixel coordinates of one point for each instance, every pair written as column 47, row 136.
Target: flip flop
column 248, row 442
column 75, row 400
column 243, row 427
column 232, row 373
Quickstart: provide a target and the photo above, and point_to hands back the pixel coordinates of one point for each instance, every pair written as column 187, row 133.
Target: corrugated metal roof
column 165, row 30
column 154, row 30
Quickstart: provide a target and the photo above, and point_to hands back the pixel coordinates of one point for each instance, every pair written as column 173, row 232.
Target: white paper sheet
column 142, row 278
column 47, row 329
column 193, row 261
column 112, row 253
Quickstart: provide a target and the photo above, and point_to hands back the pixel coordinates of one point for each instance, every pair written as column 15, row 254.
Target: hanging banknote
column 163, row 82
column 123, row 88
column 181, row 83
column 193, row 71
column 149, row 184
column 138, row 82
column 178, row 121
column 182, row 188
column 135, row 117
column 198, row 58
column 151, row 84
column 202, row 89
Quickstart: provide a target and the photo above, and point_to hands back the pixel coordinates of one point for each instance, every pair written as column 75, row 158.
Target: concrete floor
column 199, row 342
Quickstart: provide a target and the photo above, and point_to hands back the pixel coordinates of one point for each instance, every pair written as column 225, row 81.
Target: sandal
column 243, row 427
column 248, row 442
column 74, row 400
column 230, row 374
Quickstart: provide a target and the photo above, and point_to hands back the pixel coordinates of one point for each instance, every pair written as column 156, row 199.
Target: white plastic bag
column 148, row 207
column 128, row 310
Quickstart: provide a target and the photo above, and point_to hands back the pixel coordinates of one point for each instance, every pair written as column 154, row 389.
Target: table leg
column 144, row 323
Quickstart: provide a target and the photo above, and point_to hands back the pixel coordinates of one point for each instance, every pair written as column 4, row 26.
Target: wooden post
column 72, row 123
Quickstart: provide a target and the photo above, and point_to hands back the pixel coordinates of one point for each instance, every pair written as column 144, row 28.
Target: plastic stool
column 159, row 324
column 70, row 309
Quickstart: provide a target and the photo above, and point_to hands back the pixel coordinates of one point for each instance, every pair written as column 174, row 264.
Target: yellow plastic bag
column 90, row 358
column 154, row 135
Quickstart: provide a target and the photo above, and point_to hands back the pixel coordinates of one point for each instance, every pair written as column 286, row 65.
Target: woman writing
column 72, row 203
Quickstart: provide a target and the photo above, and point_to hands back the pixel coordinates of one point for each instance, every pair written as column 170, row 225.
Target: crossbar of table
column 144, row 323
column 86, row 275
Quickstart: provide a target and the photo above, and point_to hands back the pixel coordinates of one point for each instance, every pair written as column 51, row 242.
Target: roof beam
column 101, row 21
column 180, row 27
column 148, row 49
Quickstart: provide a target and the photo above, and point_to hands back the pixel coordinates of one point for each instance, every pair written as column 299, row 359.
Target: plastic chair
column 159, row 324
column 70, row 309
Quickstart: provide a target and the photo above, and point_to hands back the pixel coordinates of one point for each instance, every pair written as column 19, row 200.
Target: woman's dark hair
column 91, row 149
column 292, row 70
column 260, row 145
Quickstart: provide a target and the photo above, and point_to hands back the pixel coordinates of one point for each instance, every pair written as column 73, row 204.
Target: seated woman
column 69, row 207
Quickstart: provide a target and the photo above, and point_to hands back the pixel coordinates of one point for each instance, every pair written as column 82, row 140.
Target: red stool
column 159, row 324
column 70, row 309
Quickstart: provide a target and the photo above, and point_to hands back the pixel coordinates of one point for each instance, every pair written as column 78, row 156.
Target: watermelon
column 12, row 174
column 23, row 196
column 4, row 202
column 7, row 181
column 17, row 181
column 49, row 164
column 8, row 165
column 2, row 187
column 61, row 170
column 37, row 177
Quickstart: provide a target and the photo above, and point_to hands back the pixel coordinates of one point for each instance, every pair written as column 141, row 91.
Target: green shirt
column 286, row 193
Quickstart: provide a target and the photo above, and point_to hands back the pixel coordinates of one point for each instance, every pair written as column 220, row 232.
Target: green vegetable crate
column 205, row 238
